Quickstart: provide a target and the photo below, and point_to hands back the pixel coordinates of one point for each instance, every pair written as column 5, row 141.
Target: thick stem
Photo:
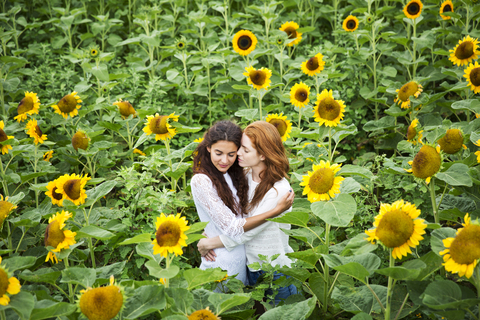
column 172, row 180
column 326, row 274
column 434, row 201
column 390, row 288
column 299, row 117
column 414, row 48
column 330, row 155
column 260, row 105
column 70, row 287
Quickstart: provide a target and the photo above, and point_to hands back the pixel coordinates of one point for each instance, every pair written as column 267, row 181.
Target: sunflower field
column 104, row 102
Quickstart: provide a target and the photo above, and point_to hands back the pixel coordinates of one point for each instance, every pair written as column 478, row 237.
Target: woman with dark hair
column 263, row 153
column 220, row 193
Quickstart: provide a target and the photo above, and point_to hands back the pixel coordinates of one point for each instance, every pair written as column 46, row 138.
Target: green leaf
column 362, row 316
column 297, row 273
column 383, row 123
column 144, row 237
column 309, row 256
column 295, row 311
column 438, row 235
column 146, row 250
column 183, row 299
column 446, row 294
column 112, row 126
column 356, row 299
column 178, row 170
column 92, row 231
column 358, row 245
column 101, row 72
column 194, row 237
column 456, row 175
column 196, row 227
column 223, row 302
column 83, row 276
column 248, row 114
column 47, row 275
column 158, row 272
column 349, row 170
column 242, row 88
column 93, row 195
column 306, row 235
column 145, row 300
column 350, row 185
column 337, row 212
column 196, row 277
column 23, row 304
column 409, row 271
column 317, row 285
column 300, row 218
column 47, row 309
column 18, row 263
column 355, row 270
column 185, row 129
column 110, row 270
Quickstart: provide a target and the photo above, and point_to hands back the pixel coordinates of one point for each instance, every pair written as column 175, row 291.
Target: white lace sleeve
column 207, row 198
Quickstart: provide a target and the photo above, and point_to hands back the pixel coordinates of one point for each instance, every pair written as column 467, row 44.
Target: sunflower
column 321, row 184
column 125, row 108
column 180, row 45
column 259, row 79
column 35, row 132
column 299, row 95
column 411, row 88
column 478, row 152
column 350, row 23
column 463, row 251
column 465, row 51
column 72, row 187
column 140, row 152
column 452, row 141
column 68, row 105
column 290, row 28
column 447, row 6
column 170, row 235
column 5, row 208
column 94, row 52
column 426, row 163
column 199, row 140
column 313, row 65
column 413, row 9
column 80, row 140
column 244, row 42
column 203, row 314
column 327, row 110
column 398, row 227
column 56, row 237
column 412, row 135
column 4, row 137
column 57, row 197
column 102, row 303
column 29, row 105
column 159, row 126
column 48, row 155
column 472, row 73
column 8, row 285
column 280, row 122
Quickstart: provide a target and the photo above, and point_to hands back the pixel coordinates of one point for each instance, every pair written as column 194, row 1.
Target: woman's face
column 223, row 155
column 247, row 154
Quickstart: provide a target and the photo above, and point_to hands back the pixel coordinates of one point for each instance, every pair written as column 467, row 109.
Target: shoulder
column 279, row 188
column 200, row 179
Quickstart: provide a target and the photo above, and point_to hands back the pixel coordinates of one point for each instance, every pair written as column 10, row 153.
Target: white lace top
column 210, row 207
column 266, row 239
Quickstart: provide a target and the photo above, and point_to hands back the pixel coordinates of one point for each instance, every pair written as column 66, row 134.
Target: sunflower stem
column 434, row 201
column 260, row 96
column 35, row 171
column 477, row 284
column 414, row 48
column 390, row 288
column 326, row 274
column 330, row 156
column 172, row 180
column 299, row 117
column 3, row 316
column 70, row 288
column 21, row 239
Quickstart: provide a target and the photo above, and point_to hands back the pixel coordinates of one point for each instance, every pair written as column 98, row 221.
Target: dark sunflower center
column 158, row 125
column 475, row 77
column 395, row 228
column 94, row 52
column 53, row 234
column 180, row 44
column 38, row 131
column 413, row 8
column 322, row 180
column 447, row 8
column 168, row 234
column 102, row 303
column 72, row 188
column 411, row 132
column 452, row 141
column 329, row 109
column 3, row 136
column 56, row 195
column 67, row 104
column 312, row 64
column 465, row 249
column 464, row 50
column 25, row 105
column 351, row 24
column 3, row 282
column 426, row 162
column 301, row 95
column 80, row 141
column 244, row 42
column 280, row 125
column 258, row 77
column 291, row 32
column 407, row 90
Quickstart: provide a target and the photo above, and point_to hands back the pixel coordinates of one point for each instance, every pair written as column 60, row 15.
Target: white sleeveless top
column 223, row 221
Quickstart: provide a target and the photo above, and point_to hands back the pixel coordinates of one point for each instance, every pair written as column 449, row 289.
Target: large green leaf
column 18, row 263
column 355, row 270
column 294, row 218
column 145, row 250
column 438, row 235
column 47, row 309
column 99, row 191
column 446, row 294
column 22, row 303
column 309, row 256
column 456, row 175
column 199, row 226
column 47, row 275
column 196, row 277
column 92, row 231
column 183, row 299
column 83, row 276
column 362, row 316
column 145, row 300
column 338, row 212
column 110, row 270
column 307, row 235
column 296, row 311
column 158, row 272
column 297, row 273
column 409, row 271
column 224, row 302
column 356, row 299
column 140, row 238
column 316, row 283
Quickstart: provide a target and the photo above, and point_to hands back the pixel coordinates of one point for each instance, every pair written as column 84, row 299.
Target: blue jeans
column 283, row 292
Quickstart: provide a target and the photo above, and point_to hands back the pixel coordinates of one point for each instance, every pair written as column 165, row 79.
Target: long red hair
column 267, row 141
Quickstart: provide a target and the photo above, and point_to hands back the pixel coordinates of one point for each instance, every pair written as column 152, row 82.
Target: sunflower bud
column 426, row 163
column 452, row 141
column 125, row 108
column 80, row 140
